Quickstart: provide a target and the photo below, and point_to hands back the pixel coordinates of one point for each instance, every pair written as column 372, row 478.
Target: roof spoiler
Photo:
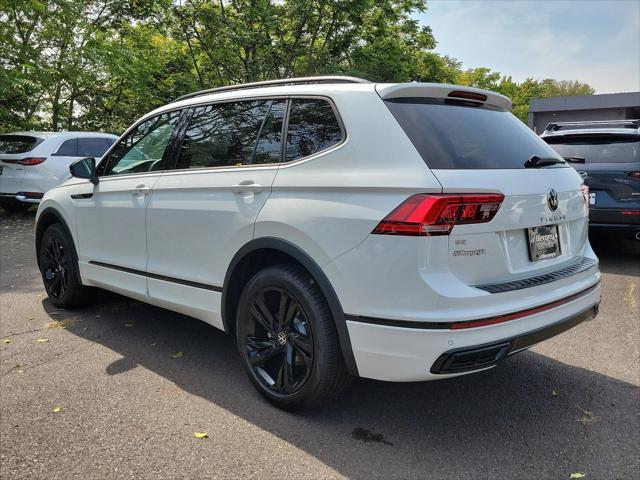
column 557, row 126
column 443, row 91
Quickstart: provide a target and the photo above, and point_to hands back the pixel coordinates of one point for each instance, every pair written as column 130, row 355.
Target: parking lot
column 103, row 392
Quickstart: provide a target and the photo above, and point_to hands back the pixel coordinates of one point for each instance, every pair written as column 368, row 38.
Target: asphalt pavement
column 118, row 389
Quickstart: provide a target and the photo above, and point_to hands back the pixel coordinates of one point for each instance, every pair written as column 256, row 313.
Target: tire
column 14, row 206
column 58, row 264
column 291, row 354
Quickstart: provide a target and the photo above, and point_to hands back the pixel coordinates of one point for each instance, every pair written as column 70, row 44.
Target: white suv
column 336, row 227
column 33, row 162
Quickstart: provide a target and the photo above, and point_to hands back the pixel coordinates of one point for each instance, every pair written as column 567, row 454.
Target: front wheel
column 288, row 340
column 58, row 266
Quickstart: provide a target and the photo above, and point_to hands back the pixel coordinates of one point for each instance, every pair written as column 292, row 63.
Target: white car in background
column 336, row 227
column 31, row 163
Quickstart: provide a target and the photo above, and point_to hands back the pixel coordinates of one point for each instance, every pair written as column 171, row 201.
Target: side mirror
column 85, row 168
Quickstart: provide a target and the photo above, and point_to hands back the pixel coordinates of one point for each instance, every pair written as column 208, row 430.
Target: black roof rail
column 630, row 123
column 274, row 83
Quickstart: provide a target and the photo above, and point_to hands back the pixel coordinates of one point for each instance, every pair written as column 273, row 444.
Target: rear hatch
column 13, row 149
column 479, row 147
column 610, row 166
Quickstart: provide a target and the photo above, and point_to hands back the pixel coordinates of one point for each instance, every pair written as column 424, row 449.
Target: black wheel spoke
column 262, row 351
column 287, row 373
column 262, row 308
column 303, row 344
column 259, row 317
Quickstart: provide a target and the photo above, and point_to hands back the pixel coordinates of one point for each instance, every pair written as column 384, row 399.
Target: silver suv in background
column 31, row 163
column 607, row 156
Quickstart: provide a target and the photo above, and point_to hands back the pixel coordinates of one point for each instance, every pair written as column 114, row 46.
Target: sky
column 594, row 41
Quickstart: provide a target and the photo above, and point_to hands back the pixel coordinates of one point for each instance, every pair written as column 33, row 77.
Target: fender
column 316, row 272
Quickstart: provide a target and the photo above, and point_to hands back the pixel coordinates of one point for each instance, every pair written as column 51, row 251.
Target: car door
column 204, row 209
column 110, row 216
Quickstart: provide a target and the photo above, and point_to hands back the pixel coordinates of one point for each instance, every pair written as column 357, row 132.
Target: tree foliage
column 81, row 64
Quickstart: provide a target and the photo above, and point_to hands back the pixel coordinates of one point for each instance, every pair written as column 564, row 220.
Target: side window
column 92, row 147
column 223, row 135
column 69, row 148
column 313, row 127
column 144, row 148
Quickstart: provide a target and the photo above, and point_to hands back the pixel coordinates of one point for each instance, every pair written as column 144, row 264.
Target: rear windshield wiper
column 574, row 159
column 536, row 162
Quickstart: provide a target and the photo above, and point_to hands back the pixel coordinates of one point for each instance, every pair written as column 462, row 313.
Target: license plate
column 544, row 242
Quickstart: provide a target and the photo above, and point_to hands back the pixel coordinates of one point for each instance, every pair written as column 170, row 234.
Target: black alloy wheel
column 279, row 341
column 55, row 264
column 287, row 339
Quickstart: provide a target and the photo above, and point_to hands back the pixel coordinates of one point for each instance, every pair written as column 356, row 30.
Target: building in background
column 612, row 106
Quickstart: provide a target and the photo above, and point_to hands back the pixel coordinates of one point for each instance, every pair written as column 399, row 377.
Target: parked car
column 33, row 162
column 607, row 156
column 336, row 227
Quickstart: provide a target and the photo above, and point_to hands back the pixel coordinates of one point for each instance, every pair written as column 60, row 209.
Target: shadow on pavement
column 502, row 423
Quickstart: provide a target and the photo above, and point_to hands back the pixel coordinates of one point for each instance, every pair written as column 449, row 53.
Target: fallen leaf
column 200, row 434
column 577, row 475
column 554, row 393
column 6, row 340
column 55, row 324
column 129, row 324
column 42, row 340
column 588, row 418
column 177, row 355
column 56, row 410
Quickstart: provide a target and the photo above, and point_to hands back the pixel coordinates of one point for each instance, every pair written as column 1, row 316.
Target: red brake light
column 427, row 215
column 468, row 95
column 585, row 194
column 27, row 161
column 633, row 174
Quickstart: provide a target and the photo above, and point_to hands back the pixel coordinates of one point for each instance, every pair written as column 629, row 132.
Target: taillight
column 425, row 215
column 633, row 174
column 29, row 161
column 585, row 194
column 468, row 95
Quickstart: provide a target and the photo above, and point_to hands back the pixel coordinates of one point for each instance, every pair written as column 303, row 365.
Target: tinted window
column 225, row 134
column 597, row 149
column 452, row 135
column 18, row 143
column 69, row 148
column 144, row 148
column 313, row 127
column 92, row 147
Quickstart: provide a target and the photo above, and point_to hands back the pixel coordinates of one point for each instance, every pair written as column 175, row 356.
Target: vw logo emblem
column 282, row 338
column 552, row 199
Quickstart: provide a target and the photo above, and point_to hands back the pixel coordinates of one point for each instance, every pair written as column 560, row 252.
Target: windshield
column 451, row 135
column 598, row 149
column 18, row 143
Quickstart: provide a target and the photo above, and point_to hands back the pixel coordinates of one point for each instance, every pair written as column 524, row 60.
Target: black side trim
column 482, row 356
column 77, row 196
column 390, row 322
column 579, row 266
column 155, row 276
column 318, row 275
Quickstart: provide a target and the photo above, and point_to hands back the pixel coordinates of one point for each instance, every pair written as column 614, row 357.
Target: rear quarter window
column 313, row 127
column 11, row 144
column 455, row 135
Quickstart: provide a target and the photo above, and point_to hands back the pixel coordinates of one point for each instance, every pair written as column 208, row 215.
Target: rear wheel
column 58, row 266
column 288, row 341
column 14, row 206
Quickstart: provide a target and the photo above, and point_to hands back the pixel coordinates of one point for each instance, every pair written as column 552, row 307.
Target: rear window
column 92, row 147
column 454, row 135
column 18, row 143
column 602, row 149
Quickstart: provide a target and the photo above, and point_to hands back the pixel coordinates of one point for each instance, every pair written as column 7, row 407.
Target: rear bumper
column 615, row 217
column 480, row 357
column 24, row 197
column 403, row 354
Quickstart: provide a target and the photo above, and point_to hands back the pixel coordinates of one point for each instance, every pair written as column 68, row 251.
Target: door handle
column 246, row 186
column 141, row 189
